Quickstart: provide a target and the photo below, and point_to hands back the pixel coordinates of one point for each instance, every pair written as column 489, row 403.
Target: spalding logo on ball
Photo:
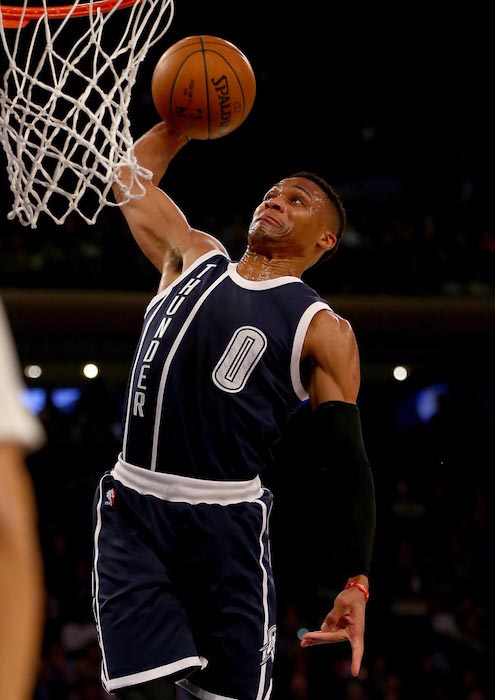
column 204, row 85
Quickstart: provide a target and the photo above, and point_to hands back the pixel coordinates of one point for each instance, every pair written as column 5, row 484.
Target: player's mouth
column 269, row 219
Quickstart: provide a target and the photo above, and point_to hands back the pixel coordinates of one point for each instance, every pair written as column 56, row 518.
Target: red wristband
column 362, row 588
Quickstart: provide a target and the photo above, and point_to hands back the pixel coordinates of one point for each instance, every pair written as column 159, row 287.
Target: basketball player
column 183, row 585
column 21, row 580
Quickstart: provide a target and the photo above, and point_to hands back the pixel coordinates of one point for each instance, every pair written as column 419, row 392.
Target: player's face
column 292, row 218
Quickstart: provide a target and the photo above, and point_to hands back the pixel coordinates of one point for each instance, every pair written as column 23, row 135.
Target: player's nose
column 275, row 203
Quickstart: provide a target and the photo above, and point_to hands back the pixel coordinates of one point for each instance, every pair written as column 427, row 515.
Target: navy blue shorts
column 183, row 585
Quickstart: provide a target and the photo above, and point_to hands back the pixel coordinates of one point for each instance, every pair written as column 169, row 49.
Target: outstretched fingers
column 345, row 629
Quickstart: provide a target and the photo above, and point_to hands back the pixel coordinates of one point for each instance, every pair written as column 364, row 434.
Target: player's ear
column 327, row 240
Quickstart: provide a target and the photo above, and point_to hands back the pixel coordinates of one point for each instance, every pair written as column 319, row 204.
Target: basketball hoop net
column 64, row 103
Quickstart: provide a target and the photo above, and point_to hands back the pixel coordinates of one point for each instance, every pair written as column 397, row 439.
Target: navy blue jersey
column 216, row 371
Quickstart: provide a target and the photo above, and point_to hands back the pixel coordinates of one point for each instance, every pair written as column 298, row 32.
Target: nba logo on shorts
column 110, row 497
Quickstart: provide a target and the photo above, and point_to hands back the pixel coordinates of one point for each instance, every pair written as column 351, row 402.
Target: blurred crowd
column 430, row 614
column 401, row 239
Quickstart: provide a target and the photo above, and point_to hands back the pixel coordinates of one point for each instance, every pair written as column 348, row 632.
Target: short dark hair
column 334, row 199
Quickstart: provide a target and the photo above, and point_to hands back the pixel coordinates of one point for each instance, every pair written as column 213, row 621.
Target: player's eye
column 298, row 200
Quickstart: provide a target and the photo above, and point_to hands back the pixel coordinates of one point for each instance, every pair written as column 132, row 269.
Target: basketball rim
column 14, row 16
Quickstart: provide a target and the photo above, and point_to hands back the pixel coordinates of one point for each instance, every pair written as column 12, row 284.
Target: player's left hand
column 345, row 621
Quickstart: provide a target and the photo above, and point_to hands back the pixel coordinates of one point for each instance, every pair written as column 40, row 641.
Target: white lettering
column 138, row 404
column 164, row 324
column 142, row 377
column 205, row 270
column 174, row 305
column 189, row 286
column 151, row 351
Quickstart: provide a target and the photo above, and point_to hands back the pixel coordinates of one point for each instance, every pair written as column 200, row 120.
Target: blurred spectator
column 21, row 577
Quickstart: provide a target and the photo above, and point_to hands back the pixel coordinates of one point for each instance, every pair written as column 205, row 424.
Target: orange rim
column 13, row 17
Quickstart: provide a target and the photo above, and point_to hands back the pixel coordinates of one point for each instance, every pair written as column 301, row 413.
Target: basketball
column 204, row 85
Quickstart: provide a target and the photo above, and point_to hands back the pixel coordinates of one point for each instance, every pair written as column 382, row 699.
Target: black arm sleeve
column 348, row 483
column 325, row 495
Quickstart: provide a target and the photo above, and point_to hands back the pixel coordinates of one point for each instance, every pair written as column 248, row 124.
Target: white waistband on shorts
column 186, row 489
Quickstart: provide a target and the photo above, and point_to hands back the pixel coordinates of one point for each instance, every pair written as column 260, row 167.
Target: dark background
column 393, row 105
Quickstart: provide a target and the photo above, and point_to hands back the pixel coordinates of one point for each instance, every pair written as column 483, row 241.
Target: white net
column 64, row 103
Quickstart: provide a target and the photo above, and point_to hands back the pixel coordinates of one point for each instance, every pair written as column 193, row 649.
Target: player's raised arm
column 203, row 87
column 159, row 226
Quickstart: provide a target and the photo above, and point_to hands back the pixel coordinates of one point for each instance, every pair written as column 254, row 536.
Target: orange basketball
column 204, row 85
